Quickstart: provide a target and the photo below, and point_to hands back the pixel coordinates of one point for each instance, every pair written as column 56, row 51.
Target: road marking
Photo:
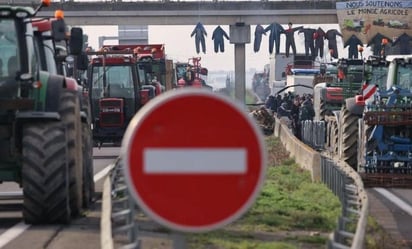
column 395, row 200
column 20, row 227
column 102, row 173
column 195, row 161
column 12, row 233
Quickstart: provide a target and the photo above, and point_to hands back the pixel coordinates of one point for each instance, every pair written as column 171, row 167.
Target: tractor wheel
column 366, row 146
column 88, row 174
column 334, row 137
column 70, row 114
column 88, row 182
column 45, row 174
column 322, row 110
column 349, row 137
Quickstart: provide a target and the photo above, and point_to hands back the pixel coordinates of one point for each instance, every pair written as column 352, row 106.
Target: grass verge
column 290, row 212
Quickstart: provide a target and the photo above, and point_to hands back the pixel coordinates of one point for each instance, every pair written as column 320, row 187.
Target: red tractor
column 190, row 74
column 121, row 79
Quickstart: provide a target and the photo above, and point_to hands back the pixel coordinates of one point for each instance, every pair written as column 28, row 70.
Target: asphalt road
column 391, row 207
column 83, row 232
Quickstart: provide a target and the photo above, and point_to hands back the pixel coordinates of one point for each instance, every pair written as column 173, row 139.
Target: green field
column 290, row 212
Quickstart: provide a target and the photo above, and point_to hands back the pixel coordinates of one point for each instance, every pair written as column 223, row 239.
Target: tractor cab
column 114, row 93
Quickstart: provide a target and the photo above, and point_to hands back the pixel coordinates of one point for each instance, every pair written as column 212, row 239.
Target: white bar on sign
column 195, row 161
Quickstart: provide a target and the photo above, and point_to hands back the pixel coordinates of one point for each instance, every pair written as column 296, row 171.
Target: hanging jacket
column 217, row 36
column 353, row 43
column 259, row 31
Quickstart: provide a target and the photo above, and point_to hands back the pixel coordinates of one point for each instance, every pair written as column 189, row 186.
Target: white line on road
column 395, row 200
column 20, row 227
column 195, row 161
column 12, row 233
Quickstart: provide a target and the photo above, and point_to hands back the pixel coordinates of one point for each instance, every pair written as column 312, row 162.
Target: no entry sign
column 194, row 160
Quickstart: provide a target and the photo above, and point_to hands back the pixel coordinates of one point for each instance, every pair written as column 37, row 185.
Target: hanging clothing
column 199, row 32
column 331, row 35
column 259, row 31
column 353, row 43
column 275, row 30
column 404, row 42
column 319, row 37
column 308, row 34
column 376, row 43
column 290, row 40
column 217, row 36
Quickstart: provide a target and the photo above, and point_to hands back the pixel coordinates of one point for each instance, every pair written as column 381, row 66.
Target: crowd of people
column 293, row 107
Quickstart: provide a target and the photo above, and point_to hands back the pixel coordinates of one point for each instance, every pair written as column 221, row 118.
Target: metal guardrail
column 119, row 209
column 347, row 185
column 313, row 133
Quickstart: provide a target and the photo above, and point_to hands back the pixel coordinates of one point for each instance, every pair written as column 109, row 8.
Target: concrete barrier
column 303, row 154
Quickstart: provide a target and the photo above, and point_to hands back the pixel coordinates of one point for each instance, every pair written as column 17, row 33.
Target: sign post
column 194, row 160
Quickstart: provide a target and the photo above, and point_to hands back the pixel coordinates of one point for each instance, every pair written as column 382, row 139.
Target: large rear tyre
column 70, row 114
column 45, row 176
column 87, row 150
column 349, row 137
column 332, row 135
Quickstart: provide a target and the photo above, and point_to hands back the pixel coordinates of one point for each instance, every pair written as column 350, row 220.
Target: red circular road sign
column 193, row 160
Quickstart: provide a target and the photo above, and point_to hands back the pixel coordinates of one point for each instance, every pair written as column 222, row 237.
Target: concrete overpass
column 239, row 15
column 188, row 13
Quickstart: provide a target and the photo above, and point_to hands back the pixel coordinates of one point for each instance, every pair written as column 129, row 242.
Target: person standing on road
column 294, row 113
column 306, row 111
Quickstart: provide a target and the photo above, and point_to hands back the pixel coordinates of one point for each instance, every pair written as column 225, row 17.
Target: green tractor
column 40, row 125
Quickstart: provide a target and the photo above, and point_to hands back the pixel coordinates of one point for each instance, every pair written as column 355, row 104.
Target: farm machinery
column 40, row 127
column 371, row 132
column 385, row 133
column 121, row 79
column 190, row 74
column 60, row 52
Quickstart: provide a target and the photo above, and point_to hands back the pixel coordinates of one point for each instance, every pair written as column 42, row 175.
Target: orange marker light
column 360, row 48
column 384, row 41
column 37, row 85
column 46, row 3
column 59, row 14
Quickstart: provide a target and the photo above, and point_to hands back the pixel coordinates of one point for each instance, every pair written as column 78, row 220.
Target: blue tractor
column 385, row 130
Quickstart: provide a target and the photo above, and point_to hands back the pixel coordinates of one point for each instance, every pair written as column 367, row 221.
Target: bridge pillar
column 240, row 35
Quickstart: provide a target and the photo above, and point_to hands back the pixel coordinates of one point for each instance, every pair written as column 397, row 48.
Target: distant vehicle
column 121, row 79
column 191, row 74
column 397, row 24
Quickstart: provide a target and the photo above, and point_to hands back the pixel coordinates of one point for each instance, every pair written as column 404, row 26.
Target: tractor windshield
column 112, row 81
column 404, row 77
column 379, row 74
column 9, row 64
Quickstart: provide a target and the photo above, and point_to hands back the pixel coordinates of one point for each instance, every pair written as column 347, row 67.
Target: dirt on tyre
column 69, row 110
column 88, row 174
column 45, row 174
column 349, row 138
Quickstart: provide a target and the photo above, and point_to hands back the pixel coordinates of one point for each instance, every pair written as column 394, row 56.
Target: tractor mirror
column 76, row 41
column 59, row 30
